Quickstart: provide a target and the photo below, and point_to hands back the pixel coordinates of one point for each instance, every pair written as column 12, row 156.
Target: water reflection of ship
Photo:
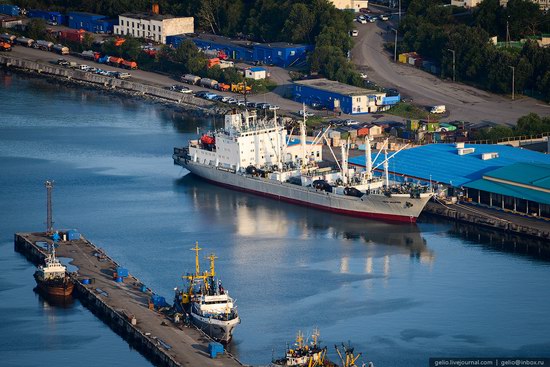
column 48, row 300
column 253, row 217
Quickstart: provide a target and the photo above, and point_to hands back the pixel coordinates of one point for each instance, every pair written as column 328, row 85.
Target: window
column 149, row 27
column 280, row 53
column 159, row 28
column 133, row 26
column 358, row 99
column 292, row 53
column 154, row 26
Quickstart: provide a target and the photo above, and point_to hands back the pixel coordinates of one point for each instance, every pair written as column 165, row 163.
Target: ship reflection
column 48, row 301
column 253, row 216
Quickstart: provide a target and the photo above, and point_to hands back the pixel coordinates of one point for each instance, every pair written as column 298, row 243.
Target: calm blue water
column 400, row 293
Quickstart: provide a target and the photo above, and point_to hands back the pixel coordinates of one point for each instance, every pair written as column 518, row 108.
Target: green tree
column 36, row 28
column 299, row 24
column 87, row 41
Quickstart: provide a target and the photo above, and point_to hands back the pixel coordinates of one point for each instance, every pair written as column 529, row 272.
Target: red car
column 364, row 10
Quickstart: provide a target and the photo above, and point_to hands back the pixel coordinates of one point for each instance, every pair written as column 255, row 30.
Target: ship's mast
column 197, row 264
column 212, row 257
column 368, row 158
column 345, row 162
column 386, row 173
column 49, row 220
column 303, row 136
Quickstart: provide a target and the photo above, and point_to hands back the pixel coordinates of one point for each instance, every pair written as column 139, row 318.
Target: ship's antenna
column 368, row 157
column 49, row 220
column 303, row 135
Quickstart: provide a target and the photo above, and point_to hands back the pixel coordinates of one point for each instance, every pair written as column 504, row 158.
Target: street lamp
column 513, row 82
column 395, row 46
column 454, row 63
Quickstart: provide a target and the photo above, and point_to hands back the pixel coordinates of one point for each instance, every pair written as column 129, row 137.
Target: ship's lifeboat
column 208, row 140
column 352, row 191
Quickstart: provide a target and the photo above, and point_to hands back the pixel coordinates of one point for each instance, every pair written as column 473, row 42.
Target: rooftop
column 336, row 87
column 256, row 69
column 207, row 37
column 149, row 16
column 441, row 162
column 522, row 180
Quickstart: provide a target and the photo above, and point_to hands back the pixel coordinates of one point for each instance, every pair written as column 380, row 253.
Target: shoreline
column 134, row 90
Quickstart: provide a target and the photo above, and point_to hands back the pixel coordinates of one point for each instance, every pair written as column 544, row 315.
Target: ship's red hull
column 386, row 217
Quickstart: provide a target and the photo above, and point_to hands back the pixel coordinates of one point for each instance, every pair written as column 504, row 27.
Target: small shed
column 374, row 130
column 256, row 73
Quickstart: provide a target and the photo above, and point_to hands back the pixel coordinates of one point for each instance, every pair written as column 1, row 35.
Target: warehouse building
column 279, row 54
column 497, row 176
column 152, row 26
column 339, row 97
column 94, row 23
column 9, row 9
column 52, row 17
column 255, row 73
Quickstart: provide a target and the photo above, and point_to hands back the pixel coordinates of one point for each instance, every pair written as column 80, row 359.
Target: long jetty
column 125, row 306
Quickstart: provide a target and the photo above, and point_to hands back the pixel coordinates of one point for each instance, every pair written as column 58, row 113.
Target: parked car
column 354, row 33
column 361, row 19
column 251, row 104
column 438, row 109
column 350, row 122
column 232, row 101
column 385, row 17
column 363, row 75
column 307, row 114
column 241, row 103
column 273, row 107
column 201, row 94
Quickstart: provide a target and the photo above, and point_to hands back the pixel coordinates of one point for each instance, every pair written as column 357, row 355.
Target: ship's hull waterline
column 219, row 330
column 400, row 208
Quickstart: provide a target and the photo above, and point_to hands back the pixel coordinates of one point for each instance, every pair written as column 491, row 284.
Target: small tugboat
column 304, row 354
column 52, row 277
column 206, row 303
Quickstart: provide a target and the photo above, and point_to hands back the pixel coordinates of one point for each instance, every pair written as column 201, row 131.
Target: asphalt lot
column 462, row 101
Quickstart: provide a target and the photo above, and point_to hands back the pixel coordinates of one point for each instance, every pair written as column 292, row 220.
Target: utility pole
column 513, row 82
column 454, row 64
column 49, row 221
column 399, row 11
column 395, row 46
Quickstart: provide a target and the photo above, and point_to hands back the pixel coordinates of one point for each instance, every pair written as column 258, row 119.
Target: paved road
column 463, row 102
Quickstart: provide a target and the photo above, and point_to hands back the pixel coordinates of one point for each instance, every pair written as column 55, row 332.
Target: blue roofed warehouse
column 94, row 23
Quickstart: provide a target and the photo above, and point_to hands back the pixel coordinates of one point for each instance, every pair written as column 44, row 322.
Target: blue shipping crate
column 122, row 272
column 73, row 234
column 159, row 301
column 214, row 349
column 12, row 10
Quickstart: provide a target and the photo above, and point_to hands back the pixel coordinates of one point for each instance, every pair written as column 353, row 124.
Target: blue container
column 119, row 279
column 122, row 272
column 12, row 10
column 73, row 234
column 214, row 349
column 85, row 281
column 143, row 288
column 159, row 301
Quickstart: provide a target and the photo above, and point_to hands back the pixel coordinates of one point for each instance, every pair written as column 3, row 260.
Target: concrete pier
column 123, row 306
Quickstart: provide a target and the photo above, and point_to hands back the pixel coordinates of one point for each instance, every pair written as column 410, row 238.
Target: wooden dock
column 124, row 306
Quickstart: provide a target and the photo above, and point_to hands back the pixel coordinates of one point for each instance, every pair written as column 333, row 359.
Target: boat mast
column 386, row 173
column 345, row 162
column 212, row 257
column 303, row 136
column 197, row 264
column 368, row 158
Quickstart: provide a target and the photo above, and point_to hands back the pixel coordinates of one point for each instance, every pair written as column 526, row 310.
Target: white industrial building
column 350, row 4
column 256, row 73
column 155, row 27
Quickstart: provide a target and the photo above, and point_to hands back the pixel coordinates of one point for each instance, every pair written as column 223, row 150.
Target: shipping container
column 60, row 49
column 129, row 64
column 122, row 272
column 103, row 60
column 73, row 234
column 115, row 61
column 12, row 10
column 214, row 349
column 73, row 35
column 403, row 58
column 52, row 17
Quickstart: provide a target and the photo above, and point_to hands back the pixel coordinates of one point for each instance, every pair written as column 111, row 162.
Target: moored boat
column 255, row 155
column 206, row 303
column 52, row 277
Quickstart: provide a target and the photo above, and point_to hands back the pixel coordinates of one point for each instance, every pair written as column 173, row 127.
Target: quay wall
column 102, row 81
column 117, row 322
column 460, row 214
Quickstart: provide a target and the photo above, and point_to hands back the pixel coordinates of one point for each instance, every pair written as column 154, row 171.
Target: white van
column 438, row 109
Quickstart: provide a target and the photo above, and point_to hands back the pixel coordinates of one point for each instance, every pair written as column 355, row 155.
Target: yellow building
column 350, row 4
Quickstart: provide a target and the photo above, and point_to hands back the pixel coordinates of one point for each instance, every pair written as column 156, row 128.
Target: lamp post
column 454, row 64
column 513, row 81
column 395, row 46
column 399, row 11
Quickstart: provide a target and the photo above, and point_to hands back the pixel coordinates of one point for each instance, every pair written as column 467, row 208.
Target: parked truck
column 4, row 46
column 115, row 61
column 129, row 64
column 239, row 88
column 8, row 38
column 24, row 41
column 60, row 49
column 190, row 79
column 209, row 83
column 43, row 45
column 88, row 54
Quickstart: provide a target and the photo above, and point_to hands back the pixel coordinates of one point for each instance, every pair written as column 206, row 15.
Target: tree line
column 436, row 32
column 529, row 125
column 315, row 22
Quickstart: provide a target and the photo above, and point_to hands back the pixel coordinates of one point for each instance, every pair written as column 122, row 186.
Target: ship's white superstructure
column 257, row 155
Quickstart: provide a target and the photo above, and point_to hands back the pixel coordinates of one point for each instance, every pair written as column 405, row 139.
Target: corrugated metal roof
column 537, row 175
column 442, row 163
column 256, row 69
column 509, row 190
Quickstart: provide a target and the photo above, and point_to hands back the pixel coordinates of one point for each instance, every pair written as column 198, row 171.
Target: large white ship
column 256, row 155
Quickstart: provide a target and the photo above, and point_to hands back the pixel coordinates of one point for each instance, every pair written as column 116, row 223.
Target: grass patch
column 410, row 111
column 261, row 86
